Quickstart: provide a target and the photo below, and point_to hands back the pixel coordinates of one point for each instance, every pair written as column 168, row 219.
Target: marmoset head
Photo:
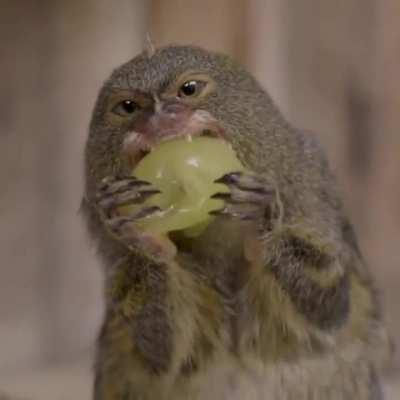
column 175, row 91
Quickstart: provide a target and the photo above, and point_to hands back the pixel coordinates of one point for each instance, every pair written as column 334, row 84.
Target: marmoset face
column 178, row 91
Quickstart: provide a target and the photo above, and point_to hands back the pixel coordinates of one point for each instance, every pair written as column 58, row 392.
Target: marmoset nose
column 173, row 108
column 168, row 118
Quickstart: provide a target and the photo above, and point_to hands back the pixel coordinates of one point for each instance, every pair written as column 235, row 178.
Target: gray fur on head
column 239, row 103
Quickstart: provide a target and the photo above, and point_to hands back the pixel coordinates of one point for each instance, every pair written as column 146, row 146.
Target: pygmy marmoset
column 272, row 300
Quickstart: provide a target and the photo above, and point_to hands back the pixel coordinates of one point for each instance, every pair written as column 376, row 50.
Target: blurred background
column 332, row 67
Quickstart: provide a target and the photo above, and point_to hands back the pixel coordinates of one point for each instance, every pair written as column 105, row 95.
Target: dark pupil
column 189, row 88
column 129, row 106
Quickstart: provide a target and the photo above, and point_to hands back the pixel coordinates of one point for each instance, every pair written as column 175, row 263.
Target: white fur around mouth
column 137, row 145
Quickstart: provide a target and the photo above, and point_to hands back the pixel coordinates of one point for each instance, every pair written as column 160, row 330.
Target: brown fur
column 285, row 313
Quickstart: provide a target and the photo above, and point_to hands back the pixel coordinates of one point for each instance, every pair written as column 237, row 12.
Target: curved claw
column 110, row 180
column 244, row 215
column 124, row 198
column 245, row 182
column 248, row 197
column 120, row 185
column 230, row 178
column 116, row 223
column 121, row 191
column 238, row 196
column 222, row 196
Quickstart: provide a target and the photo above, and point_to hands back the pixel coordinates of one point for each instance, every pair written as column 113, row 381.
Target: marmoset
column 272, row 300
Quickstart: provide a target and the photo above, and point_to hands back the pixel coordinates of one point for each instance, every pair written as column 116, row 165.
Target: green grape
column 184, row 170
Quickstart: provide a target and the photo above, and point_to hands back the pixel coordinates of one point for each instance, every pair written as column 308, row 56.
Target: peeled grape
column 184, row 170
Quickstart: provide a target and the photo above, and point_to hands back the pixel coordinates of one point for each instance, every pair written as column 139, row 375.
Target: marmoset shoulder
column 273, row 299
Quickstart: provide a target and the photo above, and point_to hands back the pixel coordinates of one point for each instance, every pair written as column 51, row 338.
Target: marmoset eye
column 191, row 88
column 125, row 108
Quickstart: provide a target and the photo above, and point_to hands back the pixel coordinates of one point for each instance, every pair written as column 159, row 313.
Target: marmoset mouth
column 161, row 127
column 136, row 145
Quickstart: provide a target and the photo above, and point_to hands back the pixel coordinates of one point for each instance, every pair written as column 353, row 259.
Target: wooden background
column 331, row 66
